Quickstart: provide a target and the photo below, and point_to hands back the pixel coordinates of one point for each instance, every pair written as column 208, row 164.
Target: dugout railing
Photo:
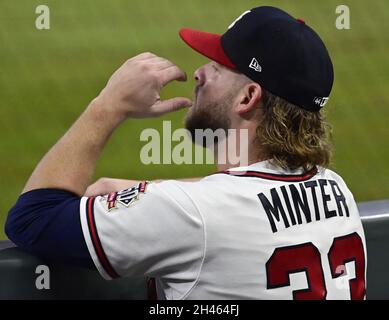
column 19, row 273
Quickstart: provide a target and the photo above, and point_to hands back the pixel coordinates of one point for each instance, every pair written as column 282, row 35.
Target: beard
column 209, row 116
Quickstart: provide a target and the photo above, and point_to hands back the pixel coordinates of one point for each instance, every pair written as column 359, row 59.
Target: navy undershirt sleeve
column 46, row 222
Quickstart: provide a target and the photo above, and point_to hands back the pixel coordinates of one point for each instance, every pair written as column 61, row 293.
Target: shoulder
column 330, row 174
column 188, row 189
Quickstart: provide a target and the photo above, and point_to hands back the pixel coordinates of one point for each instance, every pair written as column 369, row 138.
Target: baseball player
column 282, row 227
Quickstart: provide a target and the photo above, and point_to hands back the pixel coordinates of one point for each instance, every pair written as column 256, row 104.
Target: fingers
column 167, row 70
column 145, row 56
column 139, row 82
column 170, row 105
column 106, row 185
column 152, row 58
column 93, row 190
column 162, row 64
column 172, row 73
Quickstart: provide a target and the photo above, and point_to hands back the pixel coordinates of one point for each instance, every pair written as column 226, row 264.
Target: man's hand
column 106, row 185
column 134, row 89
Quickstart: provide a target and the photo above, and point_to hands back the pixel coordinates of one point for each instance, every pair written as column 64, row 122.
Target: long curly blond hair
column 291, row 136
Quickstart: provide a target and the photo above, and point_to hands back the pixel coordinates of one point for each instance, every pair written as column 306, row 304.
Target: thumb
column 170, row 105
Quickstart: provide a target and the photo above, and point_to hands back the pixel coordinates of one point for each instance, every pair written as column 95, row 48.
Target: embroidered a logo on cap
column 320, row 101
column 254, row 64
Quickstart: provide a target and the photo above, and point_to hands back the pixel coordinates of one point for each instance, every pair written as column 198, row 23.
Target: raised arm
column 132, row 91
column 46, row 218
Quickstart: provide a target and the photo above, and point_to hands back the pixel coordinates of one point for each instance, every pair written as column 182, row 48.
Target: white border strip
column 376, row 216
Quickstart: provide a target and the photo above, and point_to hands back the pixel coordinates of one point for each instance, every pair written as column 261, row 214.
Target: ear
column 248, row 98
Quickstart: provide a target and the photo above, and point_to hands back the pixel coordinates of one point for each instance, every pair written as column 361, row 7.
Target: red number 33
column 306, row 257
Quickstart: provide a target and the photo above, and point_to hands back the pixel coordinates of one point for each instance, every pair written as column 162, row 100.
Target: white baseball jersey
column 256, row 232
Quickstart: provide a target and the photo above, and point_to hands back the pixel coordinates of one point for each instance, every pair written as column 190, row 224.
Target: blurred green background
column 47, row 77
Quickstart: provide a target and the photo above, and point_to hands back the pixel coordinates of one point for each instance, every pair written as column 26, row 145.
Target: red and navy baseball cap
column 282, row 54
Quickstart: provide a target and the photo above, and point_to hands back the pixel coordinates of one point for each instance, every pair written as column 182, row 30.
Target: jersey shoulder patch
column 123, row 198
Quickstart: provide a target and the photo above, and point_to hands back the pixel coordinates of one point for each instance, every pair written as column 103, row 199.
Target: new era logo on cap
column 254, row 64
column 268, row 38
